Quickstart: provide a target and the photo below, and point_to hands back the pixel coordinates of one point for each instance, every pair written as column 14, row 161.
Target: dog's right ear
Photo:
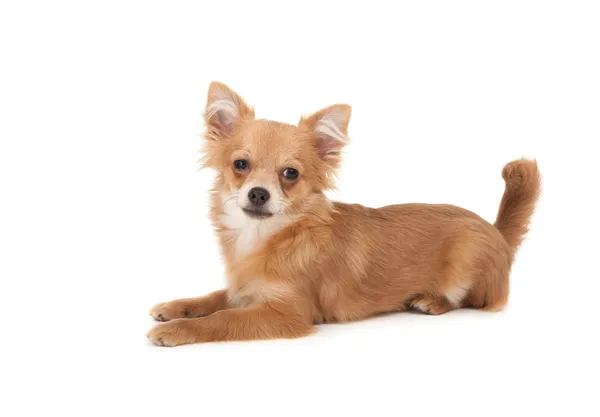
column 225, row 109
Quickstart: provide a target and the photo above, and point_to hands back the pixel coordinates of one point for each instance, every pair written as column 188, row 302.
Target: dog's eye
column 241, row 165
column 291, row 174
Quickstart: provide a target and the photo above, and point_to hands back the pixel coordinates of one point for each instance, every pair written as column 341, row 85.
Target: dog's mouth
column 257, row 214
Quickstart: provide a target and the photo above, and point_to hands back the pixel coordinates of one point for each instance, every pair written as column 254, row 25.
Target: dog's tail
column 523, row 187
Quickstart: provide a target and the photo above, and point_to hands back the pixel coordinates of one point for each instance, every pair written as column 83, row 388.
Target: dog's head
column 269, row 168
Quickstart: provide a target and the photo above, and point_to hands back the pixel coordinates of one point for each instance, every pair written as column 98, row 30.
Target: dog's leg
column 261, row 321
column 429, row 304
column 190, row 307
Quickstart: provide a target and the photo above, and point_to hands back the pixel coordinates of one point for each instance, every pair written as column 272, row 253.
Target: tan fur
column 318, row 261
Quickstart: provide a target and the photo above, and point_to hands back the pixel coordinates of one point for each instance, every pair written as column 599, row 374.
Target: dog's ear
column 225, row 109
column 329, row 128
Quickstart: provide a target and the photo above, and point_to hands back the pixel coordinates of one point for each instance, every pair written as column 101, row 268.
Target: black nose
column 258, row 196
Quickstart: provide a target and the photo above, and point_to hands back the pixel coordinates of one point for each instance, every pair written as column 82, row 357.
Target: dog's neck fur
column 241, row 235
column 246, row 233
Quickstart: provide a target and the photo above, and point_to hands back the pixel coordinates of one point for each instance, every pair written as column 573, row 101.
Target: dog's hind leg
column 429, row 304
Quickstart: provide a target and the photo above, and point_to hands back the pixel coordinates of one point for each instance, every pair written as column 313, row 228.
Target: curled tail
column 523, row 187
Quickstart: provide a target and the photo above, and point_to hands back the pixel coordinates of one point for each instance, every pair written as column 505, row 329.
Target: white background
column 103, row 211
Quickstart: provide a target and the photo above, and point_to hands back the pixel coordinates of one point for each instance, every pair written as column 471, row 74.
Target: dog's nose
column 258, row 196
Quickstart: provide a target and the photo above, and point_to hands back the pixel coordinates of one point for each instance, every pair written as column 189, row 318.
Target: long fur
column 523, row 186
column 316, row 261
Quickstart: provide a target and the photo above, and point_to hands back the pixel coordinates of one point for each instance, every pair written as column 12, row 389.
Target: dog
column 295, row 259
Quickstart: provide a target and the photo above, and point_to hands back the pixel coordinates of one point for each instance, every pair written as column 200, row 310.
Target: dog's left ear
column 329, row 127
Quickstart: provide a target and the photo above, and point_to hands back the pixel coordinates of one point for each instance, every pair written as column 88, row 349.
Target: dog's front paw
column 169, row 311
column 174, row 333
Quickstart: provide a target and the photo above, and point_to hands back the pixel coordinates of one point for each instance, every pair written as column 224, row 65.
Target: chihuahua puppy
column 295, row 259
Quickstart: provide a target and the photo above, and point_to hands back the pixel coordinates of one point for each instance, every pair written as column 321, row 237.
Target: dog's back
column 431, row 257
